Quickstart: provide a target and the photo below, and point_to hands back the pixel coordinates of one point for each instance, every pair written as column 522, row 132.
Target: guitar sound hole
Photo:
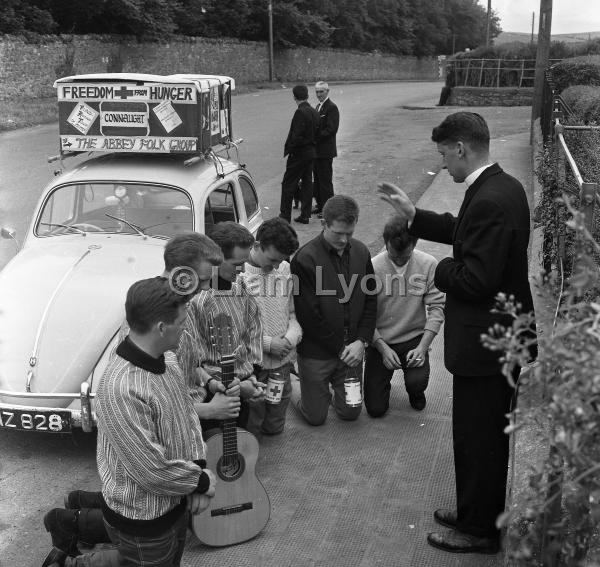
column 230, row 468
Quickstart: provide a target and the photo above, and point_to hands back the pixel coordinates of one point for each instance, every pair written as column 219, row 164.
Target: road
column 378, row 139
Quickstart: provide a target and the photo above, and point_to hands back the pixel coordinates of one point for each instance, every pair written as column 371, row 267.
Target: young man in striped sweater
column 228, row 295
column 410, row 312
column 267, row 277
column 150, row 453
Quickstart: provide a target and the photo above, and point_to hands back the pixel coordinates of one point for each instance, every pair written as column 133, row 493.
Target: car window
column 220, row 206
column 60, row 205
column 249, row 197
column 155, row 209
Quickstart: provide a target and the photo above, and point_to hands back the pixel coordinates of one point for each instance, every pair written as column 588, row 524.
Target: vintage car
column 97, row 228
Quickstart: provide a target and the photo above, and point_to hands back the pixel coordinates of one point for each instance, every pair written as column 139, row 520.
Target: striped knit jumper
column 273, row 292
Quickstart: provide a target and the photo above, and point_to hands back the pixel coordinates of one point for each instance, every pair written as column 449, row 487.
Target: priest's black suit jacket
column 489, row 239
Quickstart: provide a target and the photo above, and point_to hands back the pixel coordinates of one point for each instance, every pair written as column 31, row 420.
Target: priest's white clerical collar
column 472, row 177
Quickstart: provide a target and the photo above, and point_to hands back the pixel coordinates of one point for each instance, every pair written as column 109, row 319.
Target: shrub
column 583, row 70
column 584, row 101
column 522, row 50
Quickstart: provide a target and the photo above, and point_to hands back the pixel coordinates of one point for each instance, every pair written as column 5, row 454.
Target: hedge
column 584, row 101
column 522, row 50
column 576, row 71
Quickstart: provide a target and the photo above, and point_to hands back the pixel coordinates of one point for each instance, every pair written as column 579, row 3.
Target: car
column 97, row 228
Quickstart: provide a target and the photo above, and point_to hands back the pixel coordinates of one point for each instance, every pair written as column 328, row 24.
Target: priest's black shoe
column 458, row 542
column 445, row 517
column 302, row 220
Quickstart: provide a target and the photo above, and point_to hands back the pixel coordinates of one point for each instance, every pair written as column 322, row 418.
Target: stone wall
column 29, row 69
column 306, row 64
column 490, row 96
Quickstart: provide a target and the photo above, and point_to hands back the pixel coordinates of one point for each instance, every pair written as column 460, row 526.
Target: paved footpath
column 362, row 494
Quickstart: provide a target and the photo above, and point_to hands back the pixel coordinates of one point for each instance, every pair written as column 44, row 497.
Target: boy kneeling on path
column 410, row 312
column 267, row 277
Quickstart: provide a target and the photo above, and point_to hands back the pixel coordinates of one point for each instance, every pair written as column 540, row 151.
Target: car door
column 221, row 204
column 249, row 203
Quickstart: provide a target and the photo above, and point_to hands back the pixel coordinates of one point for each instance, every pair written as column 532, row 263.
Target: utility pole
column 487, row 23
column 542, row 58
column 270, row 10
column 532, row 25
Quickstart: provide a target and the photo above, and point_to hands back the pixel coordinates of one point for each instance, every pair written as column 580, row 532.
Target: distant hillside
column 509, row 37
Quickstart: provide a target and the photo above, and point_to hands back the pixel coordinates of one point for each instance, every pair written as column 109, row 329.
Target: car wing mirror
column 9, row 233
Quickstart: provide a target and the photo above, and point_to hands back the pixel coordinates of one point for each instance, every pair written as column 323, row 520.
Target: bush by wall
column 520, row 50
column 583, row 70
column 584, row 101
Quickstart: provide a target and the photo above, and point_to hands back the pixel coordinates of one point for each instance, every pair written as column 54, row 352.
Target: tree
column 18, row 16
column 430, row 27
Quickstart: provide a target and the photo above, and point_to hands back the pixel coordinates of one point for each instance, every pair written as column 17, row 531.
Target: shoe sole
column 481, row 550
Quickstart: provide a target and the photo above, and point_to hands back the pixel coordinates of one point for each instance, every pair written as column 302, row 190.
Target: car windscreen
column 152, row 209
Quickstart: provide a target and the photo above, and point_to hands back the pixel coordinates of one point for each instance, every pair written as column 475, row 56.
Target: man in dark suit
column 489, row 239
column 329, row 121
column 300, row 149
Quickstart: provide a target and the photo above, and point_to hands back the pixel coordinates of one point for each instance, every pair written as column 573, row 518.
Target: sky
column 568, row 16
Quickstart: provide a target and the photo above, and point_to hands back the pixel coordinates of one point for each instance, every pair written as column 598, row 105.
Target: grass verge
column 21, row 113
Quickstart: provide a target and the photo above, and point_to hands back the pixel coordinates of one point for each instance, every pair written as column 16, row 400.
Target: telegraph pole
column 270, row 10
column 542, row 58
column 532, row 25
column 487, row 23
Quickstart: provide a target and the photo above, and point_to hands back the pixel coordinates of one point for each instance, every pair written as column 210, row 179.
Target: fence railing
column 554, row 112
column 492, row 72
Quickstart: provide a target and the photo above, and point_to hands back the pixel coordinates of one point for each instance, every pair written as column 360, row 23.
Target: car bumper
column 37, row 418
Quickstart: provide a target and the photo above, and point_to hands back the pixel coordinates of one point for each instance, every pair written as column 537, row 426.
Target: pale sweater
column 273, row 292
column 407, row 304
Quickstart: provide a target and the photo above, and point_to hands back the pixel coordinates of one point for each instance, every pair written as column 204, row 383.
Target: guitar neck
column 230, row 448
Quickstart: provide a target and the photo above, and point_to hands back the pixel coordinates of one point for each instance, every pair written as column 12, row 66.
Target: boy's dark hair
column 300, row 92
column 229, row 234
column 189, row 248
column 467, row 127
column 151, row 301
column 395, row 234
column 340, row 208
column 279, row 233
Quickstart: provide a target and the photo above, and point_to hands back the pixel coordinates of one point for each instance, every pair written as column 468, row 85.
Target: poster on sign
column 167, row 115
column 215, row 127
column 82, row 117
column 154, row 115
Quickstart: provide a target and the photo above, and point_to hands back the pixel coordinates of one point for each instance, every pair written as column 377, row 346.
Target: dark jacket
column 329, row 117
column 302, row 137
column 489, row 241
column 318, row 300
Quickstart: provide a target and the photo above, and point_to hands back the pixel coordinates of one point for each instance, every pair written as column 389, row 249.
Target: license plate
column 46, row 421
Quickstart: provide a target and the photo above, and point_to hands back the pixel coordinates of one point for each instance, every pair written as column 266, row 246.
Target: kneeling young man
column 267, row 277
column 336, row 307
column 410, row 312
column 150, row 449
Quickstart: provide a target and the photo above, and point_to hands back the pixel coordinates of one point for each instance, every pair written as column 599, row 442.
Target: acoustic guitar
column 240, row 508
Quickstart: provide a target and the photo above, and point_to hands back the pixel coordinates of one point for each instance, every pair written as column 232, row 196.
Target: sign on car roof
column 123, row 112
